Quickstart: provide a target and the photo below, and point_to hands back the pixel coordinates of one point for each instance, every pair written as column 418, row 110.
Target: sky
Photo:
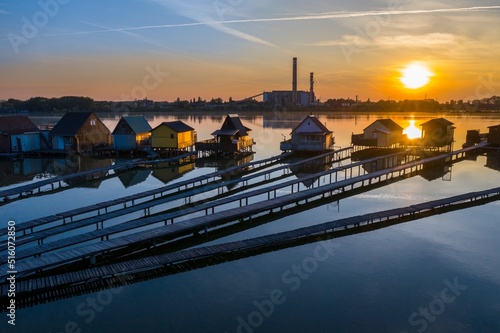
column 167, row 49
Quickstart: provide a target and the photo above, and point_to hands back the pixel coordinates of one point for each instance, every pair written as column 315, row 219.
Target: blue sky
column 239, row 48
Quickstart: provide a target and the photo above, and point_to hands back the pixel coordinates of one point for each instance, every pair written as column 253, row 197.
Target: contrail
column 321, row 16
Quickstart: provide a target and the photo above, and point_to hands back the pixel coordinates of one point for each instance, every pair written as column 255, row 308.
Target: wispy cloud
column 203, row 20
column 3, row 12
column 206, row 14
column 426, row 40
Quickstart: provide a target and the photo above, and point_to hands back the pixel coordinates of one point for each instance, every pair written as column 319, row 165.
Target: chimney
column 294, row 82
column 312, row 97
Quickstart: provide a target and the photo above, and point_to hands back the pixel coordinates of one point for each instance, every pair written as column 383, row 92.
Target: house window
column 92, row 122
column 171, row 136
column 308, row 123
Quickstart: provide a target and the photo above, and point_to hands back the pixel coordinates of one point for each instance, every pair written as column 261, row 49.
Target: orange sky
column 167, row 49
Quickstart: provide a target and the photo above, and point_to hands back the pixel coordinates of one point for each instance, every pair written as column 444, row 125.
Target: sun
column 415, row 76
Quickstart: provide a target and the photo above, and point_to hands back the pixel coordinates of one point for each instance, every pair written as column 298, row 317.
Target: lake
column 437, row 274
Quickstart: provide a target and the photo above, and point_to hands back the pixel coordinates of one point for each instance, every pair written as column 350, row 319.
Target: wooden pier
column 39, row 229
column 32, row 291
column 275, row 197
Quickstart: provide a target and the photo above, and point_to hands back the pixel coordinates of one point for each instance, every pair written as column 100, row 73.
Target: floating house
column 381, row 133
column 19, row 134
column 310, row 135
column 494, row 135
column 79, row 132
column 174, row 135
column 438, row 132
column 131, row 132
column 232, row 138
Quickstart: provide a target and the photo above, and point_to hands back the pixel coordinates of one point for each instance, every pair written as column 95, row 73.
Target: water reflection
column 493, row 160
column 166, row 172
column 132, row 178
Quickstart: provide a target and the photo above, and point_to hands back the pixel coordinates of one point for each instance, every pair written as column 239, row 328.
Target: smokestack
column 294, row 82
column 312, row 98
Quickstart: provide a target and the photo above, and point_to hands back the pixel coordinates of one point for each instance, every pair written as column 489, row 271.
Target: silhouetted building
column 438, row 132
column 494, row 135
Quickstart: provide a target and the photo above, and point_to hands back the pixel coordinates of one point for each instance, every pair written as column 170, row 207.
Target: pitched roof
column 139, row 124
column 316, row 121
column 495, row 126
column 70, row 123
column 390, row 124
column 438, row 121
column 17, row 125
column 177, row 126
column 233, row 122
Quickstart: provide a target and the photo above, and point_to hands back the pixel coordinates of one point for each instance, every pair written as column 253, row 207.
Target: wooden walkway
column 126, row 205
column 168, row 232
column 78, row 282
column 104, row 233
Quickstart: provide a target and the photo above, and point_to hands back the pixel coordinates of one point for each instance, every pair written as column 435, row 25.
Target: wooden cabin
column 494, row 135
column 173, row 135
column 309, row 135
column 131, row 132
column 79, row 132
column 381, row 133
column 438, row 132
column 233, row 136
column 19, row 134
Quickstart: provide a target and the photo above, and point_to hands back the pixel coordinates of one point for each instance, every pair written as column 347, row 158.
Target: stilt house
column 80, row 132
column 173, row 135
column 19, row 134
column 131, row 132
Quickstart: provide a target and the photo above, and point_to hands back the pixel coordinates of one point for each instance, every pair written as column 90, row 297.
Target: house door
column 19, row 145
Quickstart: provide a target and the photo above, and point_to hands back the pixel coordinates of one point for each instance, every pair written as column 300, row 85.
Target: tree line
column 76, row 103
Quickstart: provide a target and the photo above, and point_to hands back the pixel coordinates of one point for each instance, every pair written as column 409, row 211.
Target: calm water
column 438, row 274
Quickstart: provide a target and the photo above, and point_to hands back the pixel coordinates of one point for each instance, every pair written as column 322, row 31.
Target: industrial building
column 294, row 96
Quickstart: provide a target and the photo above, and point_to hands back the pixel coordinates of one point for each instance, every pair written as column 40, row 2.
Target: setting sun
column 415, row 76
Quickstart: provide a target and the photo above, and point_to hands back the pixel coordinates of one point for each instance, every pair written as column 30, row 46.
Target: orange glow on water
column 412, row 131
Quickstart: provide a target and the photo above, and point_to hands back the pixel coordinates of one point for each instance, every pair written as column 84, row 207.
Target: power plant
column 294, row 96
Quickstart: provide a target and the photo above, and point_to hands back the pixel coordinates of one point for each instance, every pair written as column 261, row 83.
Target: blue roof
column 139, row 124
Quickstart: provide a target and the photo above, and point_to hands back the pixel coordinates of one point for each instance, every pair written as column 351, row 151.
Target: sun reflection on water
column 412, row 131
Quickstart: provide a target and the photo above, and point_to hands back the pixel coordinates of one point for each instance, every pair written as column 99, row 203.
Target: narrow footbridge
column 35, row 290
column 237, row 208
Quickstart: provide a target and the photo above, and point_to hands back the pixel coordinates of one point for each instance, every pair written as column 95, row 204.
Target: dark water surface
column 436, row 274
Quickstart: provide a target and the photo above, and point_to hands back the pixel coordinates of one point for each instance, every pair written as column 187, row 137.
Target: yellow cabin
column 173, row 135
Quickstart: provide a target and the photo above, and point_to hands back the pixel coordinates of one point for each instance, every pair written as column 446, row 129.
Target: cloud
column 203, row 19
column 427, row 40
column 208, row 14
